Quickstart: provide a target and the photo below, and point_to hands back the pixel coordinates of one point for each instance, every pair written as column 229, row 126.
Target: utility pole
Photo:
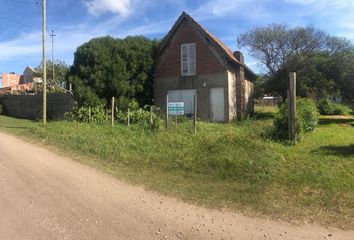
column 44, row 23
column 53, row 35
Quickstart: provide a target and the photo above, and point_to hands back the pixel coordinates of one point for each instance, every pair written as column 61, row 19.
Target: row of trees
column 124, row 68
column 325, row 64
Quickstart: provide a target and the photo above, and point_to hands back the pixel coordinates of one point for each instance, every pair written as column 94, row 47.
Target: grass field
column 232, row 166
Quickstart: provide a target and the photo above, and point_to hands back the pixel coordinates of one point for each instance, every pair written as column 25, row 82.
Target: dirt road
column 46, row 196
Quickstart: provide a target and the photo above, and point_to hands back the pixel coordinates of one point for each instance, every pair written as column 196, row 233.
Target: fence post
column 166, row 114
column 128, row 117
column 112, row 111
column 292, row 76
column 195, row 114
column 89, row 113
column 289, row 113
column 151, row 116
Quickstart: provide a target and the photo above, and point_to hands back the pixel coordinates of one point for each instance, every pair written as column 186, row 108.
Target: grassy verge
column 225, row 166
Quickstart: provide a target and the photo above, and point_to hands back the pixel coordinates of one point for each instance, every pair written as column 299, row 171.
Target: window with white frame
column 188, row 59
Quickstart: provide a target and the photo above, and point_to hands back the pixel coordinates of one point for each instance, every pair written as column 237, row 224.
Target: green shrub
column 306, row 116
column 82, row 114
column 328, row 107
column 99, row 114
column 141, row 117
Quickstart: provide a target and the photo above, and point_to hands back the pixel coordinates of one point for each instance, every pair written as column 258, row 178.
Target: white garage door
column 186, row 96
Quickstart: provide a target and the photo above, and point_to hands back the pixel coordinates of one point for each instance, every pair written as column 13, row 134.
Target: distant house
column 12, row 83
column 192, row 61
column 10, row 79
column 29, row 76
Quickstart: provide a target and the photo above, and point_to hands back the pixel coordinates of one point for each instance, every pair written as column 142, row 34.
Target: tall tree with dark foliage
column 106, row 67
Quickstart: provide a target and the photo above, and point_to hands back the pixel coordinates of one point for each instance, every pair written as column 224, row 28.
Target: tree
column 342, row 71
column 106, row 67
column 61, row 70
column 302, row 49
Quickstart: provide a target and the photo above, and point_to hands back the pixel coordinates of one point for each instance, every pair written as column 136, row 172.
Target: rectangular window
column 188, row 59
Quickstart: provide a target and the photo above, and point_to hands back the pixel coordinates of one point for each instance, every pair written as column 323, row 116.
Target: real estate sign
column 176, row 108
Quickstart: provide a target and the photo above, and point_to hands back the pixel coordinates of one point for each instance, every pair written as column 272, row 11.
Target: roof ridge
column 220, row 43
column 227, row 49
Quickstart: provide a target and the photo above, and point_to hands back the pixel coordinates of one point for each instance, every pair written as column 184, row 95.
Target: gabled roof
column 217, row 42
column 30, row 68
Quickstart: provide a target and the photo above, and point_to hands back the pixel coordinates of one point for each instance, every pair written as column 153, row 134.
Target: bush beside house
column 306, row 116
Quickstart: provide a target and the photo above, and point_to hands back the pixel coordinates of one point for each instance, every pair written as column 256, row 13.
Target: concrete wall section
column 30, row 106
column 202, row 83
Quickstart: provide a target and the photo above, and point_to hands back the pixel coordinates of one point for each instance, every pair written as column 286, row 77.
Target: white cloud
column 28, row 46
column 224, row 8
column 332, row 14
column 325, row 4
column 120, row 7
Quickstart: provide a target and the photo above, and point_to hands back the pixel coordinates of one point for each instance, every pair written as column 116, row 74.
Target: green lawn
column 231, row 166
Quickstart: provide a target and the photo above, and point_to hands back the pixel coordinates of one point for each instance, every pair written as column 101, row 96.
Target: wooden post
column 112, row 111
column 89, row 113
column 151, row 116
column 292, row 76
column 289, row 114
column 195, row 114
column 128, row 116
column 166, row 114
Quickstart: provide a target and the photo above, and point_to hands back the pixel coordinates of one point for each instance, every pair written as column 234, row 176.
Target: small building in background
column 12, row 83
column 30, row 75
column 192, row 61
column 10, row 79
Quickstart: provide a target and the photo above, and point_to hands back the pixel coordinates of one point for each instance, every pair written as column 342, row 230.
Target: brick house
column 12, row 83
column 10, row 79
column 192, row 61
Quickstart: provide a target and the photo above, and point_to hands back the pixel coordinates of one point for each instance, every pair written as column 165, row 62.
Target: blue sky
column 77, row 21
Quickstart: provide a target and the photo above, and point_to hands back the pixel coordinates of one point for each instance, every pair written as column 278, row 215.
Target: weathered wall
column 232, row 94
column 30, row 106
column 240, row 93
column 202, row 83
column 170, row 61
column 249, row 101
column 210, row 71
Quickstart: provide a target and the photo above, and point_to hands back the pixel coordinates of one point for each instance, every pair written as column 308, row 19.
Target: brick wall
column 10, row 79
column 207, row 62
column 30, row 106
